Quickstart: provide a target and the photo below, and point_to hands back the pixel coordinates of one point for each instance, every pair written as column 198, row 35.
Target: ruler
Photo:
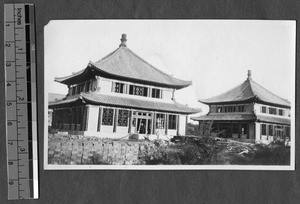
column 21, row 109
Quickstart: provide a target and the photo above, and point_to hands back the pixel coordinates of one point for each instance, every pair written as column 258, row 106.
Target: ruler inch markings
column 19, row 49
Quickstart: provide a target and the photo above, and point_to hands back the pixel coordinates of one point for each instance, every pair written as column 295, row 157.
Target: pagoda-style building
column 248, row 112
column 119, row 95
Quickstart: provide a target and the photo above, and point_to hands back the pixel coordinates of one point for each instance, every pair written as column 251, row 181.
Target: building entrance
column 142, row 122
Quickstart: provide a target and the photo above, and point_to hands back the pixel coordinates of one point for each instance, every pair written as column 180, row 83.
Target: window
column 123, row 117
column 160, row 121
column 271, row 130
column 172, row 122
column 219, row 109
column 264, row 109
column 235, row 128
column 80, row 88
column 156, row 93
column 73, row 90
column 244, row 129
column 107, row 117
column 119, row 87
column 287, row 131
column 233, row 108
column 241, row 108
column 87, row 87
column 263, row 129
column 138, row 90
column 272, row 111
column 279, row 130
column 281, row 112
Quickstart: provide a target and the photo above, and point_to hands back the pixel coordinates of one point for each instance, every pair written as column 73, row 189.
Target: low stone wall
column 93, row 151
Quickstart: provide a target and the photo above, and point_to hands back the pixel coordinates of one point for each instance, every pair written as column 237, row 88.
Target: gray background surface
column 117, row 186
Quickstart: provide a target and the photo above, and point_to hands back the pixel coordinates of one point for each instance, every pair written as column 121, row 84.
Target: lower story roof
column 119, row 101
column 243, row 117
column 225, row 117
column 277, row 120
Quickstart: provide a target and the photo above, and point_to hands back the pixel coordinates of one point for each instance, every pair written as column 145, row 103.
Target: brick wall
column 94, row 152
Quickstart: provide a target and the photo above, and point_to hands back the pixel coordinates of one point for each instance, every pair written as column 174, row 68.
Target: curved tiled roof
column 227, row 117
column 119, row 101
column 243, row 117
column 249, row 90
column 125, row 64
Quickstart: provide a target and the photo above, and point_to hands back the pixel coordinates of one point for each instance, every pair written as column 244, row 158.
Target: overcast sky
column 214, row 54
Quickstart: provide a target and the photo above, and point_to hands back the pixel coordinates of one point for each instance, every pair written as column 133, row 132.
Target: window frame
column 154, row 92
column 123, row 118
column 119, row 87
column 108, row 116
column 138, row 90
column 172, row 122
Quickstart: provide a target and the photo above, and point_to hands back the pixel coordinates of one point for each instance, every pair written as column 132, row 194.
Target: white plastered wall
column 182, row 124
column 93, row 113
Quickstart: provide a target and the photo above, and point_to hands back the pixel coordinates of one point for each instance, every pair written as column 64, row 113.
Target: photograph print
column 170, row 94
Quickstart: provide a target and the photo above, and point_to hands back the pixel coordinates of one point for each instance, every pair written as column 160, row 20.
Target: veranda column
column 167, row 123
column 177, row 124
column 99, row 119
column 154, row 122
column 115, row 123
column 130, row 120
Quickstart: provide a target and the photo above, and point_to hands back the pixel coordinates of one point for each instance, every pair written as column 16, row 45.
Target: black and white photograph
column 169, row 94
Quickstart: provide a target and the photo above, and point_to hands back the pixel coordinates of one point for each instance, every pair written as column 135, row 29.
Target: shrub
column 275, row 153
column 191, row 151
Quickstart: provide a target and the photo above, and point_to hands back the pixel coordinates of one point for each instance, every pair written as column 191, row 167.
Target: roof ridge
column 269, row 91
column 107, row 56
column 203, row 100
column 152, row 65
column 249, row 79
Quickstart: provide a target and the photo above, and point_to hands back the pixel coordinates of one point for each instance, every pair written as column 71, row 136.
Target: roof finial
column 123, row 41
column 249, row 74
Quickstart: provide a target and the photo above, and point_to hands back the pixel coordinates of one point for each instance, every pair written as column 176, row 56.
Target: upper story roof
column 124, row 64
column 248, row 91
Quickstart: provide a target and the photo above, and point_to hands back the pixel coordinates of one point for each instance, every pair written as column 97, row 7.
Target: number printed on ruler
column 20, row 101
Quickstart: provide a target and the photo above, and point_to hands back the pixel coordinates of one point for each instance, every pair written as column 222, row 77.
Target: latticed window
column 160, row 121
column 264, row 109
column 172, row 122
column 272, row 111
column 119, row 87
column 123, row 117
column 138, row 90
column 108, row 116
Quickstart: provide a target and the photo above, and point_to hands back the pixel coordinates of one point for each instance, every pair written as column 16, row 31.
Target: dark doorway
column 141, row 126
